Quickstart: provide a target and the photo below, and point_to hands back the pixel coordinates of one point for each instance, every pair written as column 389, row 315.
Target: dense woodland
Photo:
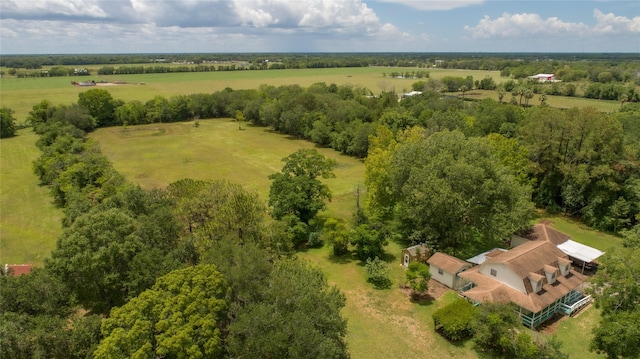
column 198, row 268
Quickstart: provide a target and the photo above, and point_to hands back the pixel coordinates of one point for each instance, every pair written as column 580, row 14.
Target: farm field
column 20, row 94
column 29, row 222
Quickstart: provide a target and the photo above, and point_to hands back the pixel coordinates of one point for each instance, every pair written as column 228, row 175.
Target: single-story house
column 445, row 269
column 543, row 78
column 536, row 276
column 412, row 93
column 419, row 252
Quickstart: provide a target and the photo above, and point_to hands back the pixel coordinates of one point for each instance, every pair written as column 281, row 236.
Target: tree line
column 579, row 161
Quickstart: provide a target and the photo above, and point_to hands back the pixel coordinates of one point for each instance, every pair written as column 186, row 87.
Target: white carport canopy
column 580, row 251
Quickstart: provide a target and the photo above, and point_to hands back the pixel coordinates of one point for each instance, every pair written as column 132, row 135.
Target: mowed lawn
column 29, row 223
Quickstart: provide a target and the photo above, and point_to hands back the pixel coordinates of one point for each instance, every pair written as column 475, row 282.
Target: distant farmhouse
column 542, row 274
column 17, row 269
column 544, row 78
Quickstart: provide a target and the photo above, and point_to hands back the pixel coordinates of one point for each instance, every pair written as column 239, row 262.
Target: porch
column 568, row 304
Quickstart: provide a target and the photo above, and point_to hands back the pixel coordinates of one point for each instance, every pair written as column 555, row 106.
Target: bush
column 453, row 321
column 7, row 123
column 315, row 240
column 378, row 273
column 418, row 276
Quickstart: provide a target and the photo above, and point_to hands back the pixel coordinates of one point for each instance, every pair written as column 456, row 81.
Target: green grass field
column 20, row 94
column 29, row 223
column 157, row 154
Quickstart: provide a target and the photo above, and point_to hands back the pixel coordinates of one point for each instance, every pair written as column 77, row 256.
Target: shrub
column 378, row 273
column 418, row 276
column 453, row 321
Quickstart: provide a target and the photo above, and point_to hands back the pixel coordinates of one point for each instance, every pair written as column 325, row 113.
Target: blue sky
column 178, row 26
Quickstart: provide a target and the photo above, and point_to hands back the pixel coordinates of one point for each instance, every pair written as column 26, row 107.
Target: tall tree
column 616, row 288
column 454, row 193
column 299, row 317
column 7, row 123
column 296, row 189
column 100, row 104
column 212, row 210
column 181, row 316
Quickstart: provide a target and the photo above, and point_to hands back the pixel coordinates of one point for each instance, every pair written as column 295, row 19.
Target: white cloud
column 523, row 24
column 612, row 24
column 193, row 26
column 434, row 5
column 309, row 15
column 54, row 8
column 519, row 25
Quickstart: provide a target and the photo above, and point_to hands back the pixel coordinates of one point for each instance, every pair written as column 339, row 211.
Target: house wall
column 504, row 275
column 445, row 278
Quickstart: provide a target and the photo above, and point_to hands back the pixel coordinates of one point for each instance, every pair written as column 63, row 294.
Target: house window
column 440, row 271
column 494, row 272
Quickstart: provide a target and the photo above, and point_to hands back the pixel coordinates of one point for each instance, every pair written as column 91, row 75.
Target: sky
column 232, row 26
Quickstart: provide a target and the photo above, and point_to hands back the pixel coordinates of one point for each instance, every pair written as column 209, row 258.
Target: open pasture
column 29, row 222
column 155, row 155
column 20, row 94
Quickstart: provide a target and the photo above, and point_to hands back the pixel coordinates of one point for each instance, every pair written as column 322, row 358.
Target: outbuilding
column 419, row 252
column 445, row 269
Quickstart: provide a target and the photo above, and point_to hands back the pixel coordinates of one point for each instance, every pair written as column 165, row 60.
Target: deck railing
column 570, row 309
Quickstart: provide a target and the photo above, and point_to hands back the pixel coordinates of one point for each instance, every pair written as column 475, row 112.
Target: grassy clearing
column 575, row 333
column 156, row 155
column 29, row 223
column 580, row 232
column 553, row 101
column 385, row 323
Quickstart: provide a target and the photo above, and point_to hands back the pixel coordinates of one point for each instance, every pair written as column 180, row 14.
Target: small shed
column 419, row 252
column 445, row 269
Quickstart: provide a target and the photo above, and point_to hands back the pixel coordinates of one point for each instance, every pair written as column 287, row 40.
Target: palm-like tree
column 623, row 98
column 463, row 89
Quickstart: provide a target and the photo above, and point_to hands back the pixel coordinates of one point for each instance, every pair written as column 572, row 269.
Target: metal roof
column 580, row 251
column 480, row 258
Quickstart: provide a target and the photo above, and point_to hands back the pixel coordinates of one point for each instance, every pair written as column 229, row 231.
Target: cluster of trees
column 194, row 270
column 420, row 74
column 495, row 329
column 616, row 288
column 7, row 123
